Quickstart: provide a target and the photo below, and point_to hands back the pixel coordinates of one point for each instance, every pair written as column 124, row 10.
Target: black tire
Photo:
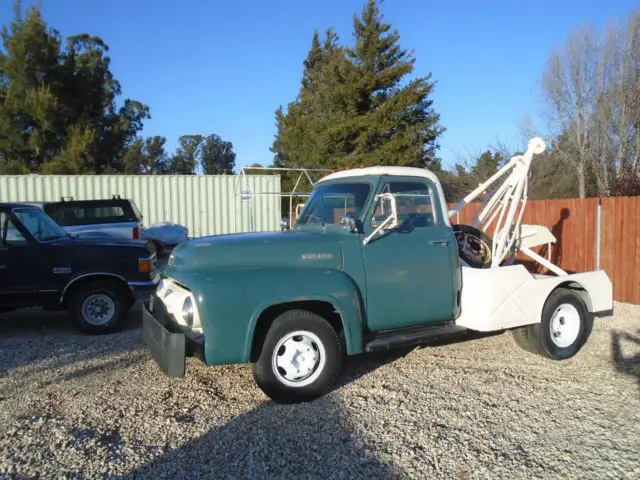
column 538, row 338
column 270, row 380
column 112, row 295
column 523, row 338
column 478, row 237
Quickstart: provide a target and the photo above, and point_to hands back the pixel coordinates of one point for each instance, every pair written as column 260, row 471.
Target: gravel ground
column 74, row 406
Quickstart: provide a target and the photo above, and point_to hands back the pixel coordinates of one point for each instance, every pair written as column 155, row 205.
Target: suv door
column 409, row 270
column 19, row 272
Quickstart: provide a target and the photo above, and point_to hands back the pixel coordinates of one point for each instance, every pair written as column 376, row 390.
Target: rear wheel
column 100, row 306
column 299, row 359
column 565, row 327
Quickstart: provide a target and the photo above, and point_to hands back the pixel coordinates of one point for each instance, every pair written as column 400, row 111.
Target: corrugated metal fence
column 205, row 204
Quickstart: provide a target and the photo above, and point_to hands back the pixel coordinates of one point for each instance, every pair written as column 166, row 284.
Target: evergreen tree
column 217, row 156
column 58, row 110
column 353, row 109
column 146, row 156
column 187, row 155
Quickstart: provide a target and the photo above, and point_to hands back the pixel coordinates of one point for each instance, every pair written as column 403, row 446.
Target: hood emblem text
column 317, row 256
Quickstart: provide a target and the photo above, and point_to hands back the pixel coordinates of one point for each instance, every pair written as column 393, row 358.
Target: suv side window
column 414, row 202
column 10, row 234
column 91, row 212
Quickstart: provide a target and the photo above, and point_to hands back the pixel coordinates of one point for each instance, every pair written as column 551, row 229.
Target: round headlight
column 187, row 311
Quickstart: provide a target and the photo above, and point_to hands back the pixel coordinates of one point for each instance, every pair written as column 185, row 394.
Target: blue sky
column 206, row 66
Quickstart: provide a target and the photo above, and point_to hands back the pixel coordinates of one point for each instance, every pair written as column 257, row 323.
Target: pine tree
column 217, row 156
column 353, row 109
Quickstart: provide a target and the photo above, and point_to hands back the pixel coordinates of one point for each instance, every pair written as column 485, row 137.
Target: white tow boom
column 506, row 207
column 501, row 294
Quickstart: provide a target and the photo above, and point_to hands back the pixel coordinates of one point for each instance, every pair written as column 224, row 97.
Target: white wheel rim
column 298, row 358
column 98, row 309
column 565, row 325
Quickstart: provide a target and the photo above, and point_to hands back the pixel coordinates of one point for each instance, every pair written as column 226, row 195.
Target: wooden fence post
column 598, row 231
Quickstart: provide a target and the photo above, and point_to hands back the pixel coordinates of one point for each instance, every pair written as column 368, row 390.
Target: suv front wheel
column 99, row 307
column 300, row 358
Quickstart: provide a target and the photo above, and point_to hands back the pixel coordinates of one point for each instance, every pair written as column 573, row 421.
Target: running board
column 387, row 339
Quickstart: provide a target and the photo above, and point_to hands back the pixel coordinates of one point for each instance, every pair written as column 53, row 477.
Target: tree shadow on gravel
column 309, row 440
column 628, row 364
column 31, row 336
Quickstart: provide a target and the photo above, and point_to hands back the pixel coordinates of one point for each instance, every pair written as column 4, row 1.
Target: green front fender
column 230, row 303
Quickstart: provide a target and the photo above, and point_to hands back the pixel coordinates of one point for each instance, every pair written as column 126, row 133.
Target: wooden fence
column 574, row 222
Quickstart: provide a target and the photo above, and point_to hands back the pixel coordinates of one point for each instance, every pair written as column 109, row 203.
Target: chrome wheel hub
column 298, row 359
column 564, row 325
column 98, row 309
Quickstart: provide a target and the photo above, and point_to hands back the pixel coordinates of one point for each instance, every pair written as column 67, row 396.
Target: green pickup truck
column 372, row 262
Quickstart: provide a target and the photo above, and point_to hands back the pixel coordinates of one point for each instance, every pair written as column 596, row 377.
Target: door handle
column 439, row 242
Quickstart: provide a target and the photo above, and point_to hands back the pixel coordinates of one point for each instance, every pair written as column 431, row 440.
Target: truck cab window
column 10, row 234
column 414, row 204
column 39, row 224
column 328, row 203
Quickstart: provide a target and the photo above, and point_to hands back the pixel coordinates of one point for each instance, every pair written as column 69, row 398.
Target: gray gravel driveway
column 73, row 406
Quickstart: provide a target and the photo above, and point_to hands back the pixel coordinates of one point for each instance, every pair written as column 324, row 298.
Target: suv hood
column 101, row 241
column 262, row 249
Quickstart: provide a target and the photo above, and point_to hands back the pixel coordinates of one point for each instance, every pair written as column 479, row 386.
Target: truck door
column 409, row 270
column 18, row 278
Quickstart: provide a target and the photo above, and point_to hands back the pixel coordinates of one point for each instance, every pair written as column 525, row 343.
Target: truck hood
column 101, row 241
column 259, row 249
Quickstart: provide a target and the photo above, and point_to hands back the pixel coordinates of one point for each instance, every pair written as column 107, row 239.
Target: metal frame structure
column 506, row 206
column 246, row 192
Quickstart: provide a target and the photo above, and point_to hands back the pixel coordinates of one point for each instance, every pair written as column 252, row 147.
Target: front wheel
column 300, row 358
column 564, row 328
column 99, row 307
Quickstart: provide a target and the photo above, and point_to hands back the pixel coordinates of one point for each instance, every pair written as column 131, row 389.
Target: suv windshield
column 328, row 203
column 39, row 224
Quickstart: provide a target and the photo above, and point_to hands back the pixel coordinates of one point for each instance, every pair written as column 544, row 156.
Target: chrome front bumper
column 169, row 343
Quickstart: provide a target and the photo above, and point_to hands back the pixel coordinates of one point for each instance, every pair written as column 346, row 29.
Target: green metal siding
column 206, row 205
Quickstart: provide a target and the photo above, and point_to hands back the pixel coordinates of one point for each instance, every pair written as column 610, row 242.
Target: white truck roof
column 382, row 170
column 399, row 172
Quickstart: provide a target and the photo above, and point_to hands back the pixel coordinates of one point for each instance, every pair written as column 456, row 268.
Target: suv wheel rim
column 564, row 325
column 98, row 309
column 298, row 358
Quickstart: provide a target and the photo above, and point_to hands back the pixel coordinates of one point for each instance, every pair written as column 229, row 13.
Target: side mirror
column 388, row 206
column 349, row 223
column 284, row 223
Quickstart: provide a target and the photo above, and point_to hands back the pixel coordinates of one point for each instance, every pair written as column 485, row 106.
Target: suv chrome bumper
column 169, row 343
column 143, row 289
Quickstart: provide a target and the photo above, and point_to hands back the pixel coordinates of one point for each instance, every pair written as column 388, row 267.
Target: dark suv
column 96, row 279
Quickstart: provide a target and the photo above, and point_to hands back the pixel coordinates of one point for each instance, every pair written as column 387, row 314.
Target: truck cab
column 371, row 263
column 374, row 255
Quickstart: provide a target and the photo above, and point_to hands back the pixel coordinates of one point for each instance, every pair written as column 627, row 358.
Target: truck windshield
column 328, row 203
column 39, row 224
